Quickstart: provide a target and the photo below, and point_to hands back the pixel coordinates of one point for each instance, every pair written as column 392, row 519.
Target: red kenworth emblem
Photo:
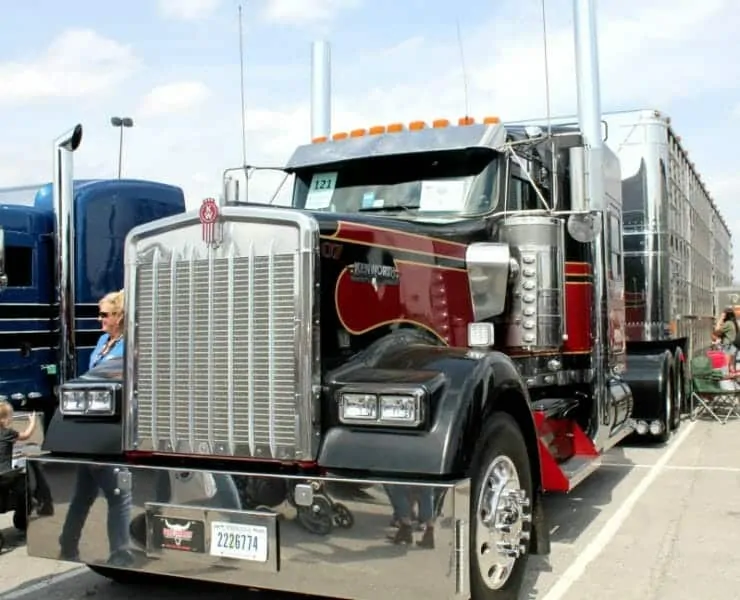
column 209, row 219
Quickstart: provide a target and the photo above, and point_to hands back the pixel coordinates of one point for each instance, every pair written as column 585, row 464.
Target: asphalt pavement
column 654, row 523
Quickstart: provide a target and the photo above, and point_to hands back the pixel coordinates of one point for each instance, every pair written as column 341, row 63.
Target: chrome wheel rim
column 500, row 518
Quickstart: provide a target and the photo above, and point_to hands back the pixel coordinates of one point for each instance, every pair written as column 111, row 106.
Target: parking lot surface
column 654, row 523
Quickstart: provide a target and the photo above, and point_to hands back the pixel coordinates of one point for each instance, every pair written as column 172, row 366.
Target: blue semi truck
column 61, row 250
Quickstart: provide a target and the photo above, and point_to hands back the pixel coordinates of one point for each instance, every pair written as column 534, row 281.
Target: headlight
column 401, row 409
column 87, row 400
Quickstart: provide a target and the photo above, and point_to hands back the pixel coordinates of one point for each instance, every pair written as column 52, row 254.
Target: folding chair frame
column 726, row 398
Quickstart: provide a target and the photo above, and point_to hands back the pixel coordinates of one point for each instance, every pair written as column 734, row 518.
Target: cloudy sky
column 173, row 66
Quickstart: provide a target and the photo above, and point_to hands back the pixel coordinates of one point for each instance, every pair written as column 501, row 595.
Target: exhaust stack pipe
column 589, row 97
column 320, row 90
column 63, row 193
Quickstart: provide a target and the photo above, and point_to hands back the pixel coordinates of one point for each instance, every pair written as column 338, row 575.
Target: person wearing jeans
column 91, row 480
column 402, row 499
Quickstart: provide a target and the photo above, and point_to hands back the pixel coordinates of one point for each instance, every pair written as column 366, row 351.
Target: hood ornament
column 210, row 222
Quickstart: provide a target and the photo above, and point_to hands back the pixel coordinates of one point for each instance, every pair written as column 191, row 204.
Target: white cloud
column 80, row 62
column 302, row 12
column 188, row 10
column 174, row 98
column 652, row 55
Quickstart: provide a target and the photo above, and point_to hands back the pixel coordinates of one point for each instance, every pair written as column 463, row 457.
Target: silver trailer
column 677, row 255
column 678, row 247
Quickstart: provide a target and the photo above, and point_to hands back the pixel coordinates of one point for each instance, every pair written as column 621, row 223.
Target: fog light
column 641, row 427
column 656, row 428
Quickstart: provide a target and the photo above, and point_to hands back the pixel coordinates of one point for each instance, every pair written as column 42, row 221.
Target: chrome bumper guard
column 324, row 536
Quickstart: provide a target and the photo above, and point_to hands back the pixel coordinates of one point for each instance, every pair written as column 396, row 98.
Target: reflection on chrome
column 278, row 532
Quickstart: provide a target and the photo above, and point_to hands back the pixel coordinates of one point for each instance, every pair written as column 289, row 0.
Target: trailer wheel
column 500, row 511
column 680, row 387
column 668, row 408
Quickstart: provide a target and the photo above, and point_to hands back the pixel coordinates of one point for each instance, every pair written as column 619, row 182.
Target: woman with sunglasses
column 110, row 344
column 91, row 480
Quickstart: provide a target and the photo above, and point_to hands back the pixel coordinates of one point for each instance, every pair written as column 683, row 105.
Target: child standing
column 9, row 436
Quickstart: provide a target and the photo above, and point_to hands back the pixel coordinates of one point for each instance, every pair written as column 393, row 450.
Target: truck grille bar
column 219, row 351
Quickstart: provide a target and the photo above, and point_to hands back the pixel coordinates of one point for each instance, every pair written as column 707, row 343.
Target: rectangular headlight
column 394, row 409
column 400, row 409
column 358, row 408
column 93, row 401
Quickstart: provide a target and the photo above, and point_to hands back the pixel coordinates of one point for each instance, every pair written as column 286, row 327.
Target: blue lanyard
column 100, row 356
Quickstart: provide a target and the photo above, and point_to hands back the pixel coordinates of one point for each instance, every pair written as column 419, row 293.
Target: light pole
column 121, row 122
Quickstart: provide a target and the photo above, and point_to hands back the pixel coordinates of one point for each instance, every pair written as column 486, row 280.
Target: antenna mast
column 547, row 70
column 243, row 103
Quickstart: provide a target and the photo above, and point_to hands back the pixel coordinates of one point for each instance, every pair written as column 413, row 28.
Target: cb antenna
column 243, row 103
column 462, row 64
column 547, row 70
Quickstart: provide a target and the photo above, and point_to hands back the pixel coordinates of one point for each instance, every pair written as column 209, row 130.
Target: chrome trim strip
column 271, row 347
column 231, row 365
column 250, row 353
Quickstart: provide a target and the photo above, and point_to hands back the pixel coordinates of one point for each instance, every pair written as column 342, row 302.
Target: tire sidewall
column 500, row 435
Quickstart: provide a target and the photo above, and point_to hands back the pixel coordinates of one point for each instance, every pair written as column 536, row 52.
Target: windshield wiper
column 399, row 207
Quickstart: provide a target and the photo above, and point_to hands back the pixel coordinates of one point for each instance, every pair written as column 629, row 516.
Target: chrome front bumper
column 170, row 516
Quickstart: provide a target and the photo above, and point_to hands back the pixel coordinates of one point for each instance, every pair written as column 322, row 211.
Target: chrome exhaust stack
column 589, row 96
column 320, row 90
column 63, row 193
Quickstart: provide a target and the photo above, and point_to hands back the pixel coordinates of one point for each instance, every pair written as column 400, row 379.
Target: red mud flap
column 567, row 454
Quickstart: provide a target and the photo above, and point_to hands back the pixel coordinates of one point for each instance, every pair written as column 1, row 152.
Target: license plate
column 239, row 540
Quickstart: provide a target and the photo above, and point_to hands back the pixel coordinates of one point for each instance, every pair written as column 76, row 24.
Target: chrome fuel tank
column 536, row 309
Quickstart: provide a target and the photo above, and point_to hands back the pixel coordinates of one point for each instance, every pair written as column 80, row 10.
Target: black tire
column 679, row 388
column 669, row 405
column 20, row 520
column 317, row 518
column 500, row 437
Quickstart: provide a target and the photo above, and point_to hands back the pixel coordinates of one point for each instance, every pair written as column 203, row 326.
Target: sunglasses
column 103, row 315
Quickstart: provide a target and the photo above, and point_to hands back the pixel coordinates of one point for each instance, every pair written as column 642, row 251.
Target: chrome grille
column 217, row 339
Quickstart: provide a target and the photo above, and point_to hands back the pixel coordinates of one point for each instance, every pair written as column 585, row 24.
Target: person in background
column 9, row 436
column 726, row 331
column 93, row 479
column 110, row 315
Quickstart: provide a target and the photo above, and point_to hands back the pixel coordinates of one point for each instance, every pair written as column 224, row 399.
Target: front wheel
column 500, row 511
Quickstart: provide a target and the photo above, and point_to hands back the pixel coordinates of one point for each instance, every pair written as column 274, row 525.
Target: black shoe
column 121, row 558
column 403, row 536
column 45, row 509
column 427, row 540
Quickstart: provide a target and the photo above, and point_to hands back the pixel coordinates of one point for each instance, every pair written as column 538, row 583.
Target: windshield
column 460, row 183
